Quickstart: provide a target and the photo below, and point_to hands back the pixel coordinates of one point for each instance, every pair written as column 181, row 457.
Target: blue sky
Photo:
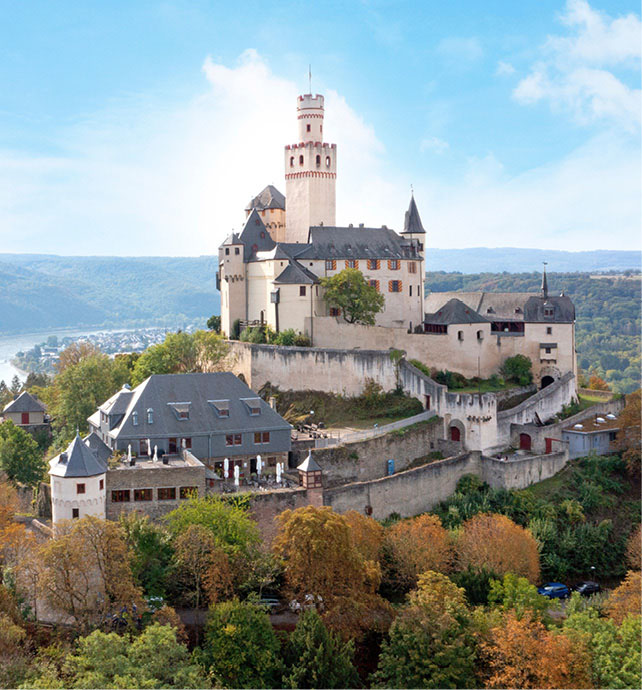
column 140, row 127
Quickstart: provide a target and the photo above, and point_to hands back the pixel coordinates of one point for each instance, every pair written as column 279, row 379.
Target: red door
column 524, row 442
column 455, row 434
column 549, row 444
column 25, row 418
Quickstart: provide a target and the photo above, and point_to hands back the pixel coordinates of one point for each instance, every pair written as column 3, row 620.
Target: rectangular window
column 412, row 267
column 330, row 265
column 549, row 330
column 374, row 284
column 233, row 440
column 547, row 350
column 352, row 263
column 301, row 290
column 394, row 286
column 143, row 494
column 80, row 488
column 335, row 311
column 142, row 448
column 187, row 442
column 183, row 414
column 410, row 291
column 120, row 496
column 101, row 484
column 373, row 264
column 75, row 513
column 168, row 494
column 188, row 491
column 173, row 446
column 266, row 437
column 227, row 251
column 237, row 250
column 393, row 265
column 272, row 461
column 238, row 440
column 460, row 335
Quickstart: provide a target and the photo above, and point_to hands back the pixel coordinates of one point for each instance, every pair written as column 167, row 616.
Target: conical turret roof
column 412, row 222
column 77, row 461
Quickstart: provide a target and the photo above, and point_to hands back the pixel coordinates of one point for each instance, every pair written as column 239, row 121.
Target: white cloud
column 504, row 69
column 460, row 50
column 575, row 72
column 434, row 144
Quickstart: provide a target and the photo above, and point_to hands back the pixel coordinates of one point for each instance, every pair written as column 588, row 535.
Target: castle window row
column 372, row 265
column 146, row 495
column 237, row 439
column 328, row 161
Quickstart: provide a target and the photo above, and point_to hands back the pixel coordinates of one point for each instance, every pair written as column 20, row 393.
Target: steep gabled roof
column 412, row 222
column 100, row 449
column 270, row 197
column 77, row 461
column 358, row 243
column 25, row 402
column 454, row 312
column 295, row 274
column 255, row 236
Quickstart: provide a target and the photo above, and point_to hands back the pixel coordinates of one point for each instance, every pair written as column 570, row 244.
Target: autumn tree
column 629, row 439
column 20, row 457
column 86, row 572
column 349, row 291
column 625, row 599
column 241, row 649
column 634, row 549
column 366, row 535
column 76, row 353
column 417, row 545
column 496, row 543
column 9, row 504
column 317, row 658
column 430, row 644
column 522, row 653
column 19, row 554
column 597, row 384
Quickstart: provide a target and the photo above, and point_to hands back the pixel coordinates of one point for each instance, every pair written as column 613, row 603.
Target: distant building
column 25, row 410
column 591, row 436
column 214, row 416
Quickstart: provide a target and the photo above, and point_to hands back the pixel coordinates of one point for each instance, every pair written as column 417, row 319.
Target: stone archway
column 546, row 381
column 457, row 432
column 548, row 375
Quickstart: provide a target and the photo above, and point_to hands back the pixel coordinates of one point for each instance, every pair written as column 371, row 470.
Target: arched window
column 300, row 160
column 460, row 335
column 327, row 161
column 291, row 161
column 480, row 335
column 150, row 415
column 135, row 418
column 318, row 161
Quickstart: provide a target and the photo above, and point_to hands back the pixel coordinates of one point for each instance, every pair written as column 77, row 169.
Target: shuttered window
column 374, row 284
column 352, row 263
column 394, row 286
column 374, row 264
column 393, row 264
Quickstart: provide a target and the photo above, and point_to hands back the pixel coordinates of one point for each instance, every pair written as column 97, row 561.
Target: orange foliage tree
column 496, row 543
column 628, row 439
column 634, row 549
column 8, row 504
column 522, row 653
column 626, row 598
column 418, row 545
column 598, row 384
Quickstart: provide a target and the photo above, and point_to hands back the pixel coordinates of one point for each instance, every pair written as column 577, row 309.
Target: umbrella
column 278, row 472
column 237, row 475
column 155, row 453
column 259, row 465
column 226, row 468
column 149, row 447
column 129, row 452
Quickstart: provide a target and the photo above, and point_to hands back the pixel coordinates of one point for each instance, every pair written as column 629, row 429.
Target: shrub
column 518, row 369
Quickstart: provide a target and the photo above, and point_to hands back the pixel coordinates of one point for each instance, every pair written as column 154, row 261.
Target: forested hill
column 607, row 310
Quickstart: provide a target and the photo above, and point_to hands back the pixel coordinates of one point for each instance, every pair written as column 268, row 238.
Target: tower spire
column 544, row 281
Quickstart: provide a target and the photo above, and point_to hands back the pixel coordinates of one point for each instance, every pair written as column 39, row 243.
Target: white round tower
column 78, row 481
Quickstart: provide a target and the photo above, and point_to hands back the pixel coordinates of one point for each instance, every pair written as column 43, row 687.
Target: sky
column 144, row 127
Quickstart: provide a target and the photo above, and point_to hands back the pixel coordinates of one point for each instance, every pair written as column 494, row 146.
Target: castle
column 270, row 273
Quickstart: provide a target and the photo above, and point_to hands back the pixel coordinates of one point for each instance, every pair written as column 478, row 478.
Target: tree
column 496, row 543
column 154, row 659
column 634, row 549
column 430, row 644
column 230, row 525
column 517, row 369
column 214, row 323
column 316, row 658
column 240, row 648
column 9, row 503
column 348, row 291
column 518, row 595
column 86, row 572
column 76, row 353
column 625, row 599
column 598, row 384
column 628, row 439
column 20, row 457
column 366, row 535
column 522, row 653
column 16, row 386
column 615, row 650
column 417, row 545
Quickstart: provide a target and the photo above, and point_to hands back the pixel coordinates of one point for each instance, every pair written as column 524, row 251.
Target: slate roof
column 77, row 461
column 412, row 221
column 295, row 274
column 25, row 402
column 100, row 449
column 454, row 311
column 270, row 197
column 255, row 236
column 358, row 243
column 507, row 306
column 162, row 392
column 309, row 465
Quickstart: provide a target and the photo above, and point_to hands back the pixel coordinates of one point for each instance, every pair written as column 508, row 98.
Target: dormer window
column 253, row 405
column 518, row 310
column 135, row 418
column 181, row 409
column 150, row 415
column 490, row 310
column 549, row 311
column 221, row 407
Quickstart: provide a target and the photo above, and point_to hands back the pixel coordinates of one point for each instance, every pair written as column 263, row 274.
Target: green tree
column 517, row 369
column 517, row 594
column 430, row 644
column 317, row 658
column 231, row 526
column 214, row 323
column 20, row 456
column 241, row 649
column 348, row 291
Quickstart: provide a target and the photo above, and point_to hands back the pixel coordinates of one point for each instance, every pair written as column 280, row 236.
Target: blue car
column 554, row 590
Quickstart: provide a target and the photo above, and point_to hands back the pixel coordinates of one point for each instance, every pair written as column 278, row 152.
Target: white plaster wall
column 64, row 497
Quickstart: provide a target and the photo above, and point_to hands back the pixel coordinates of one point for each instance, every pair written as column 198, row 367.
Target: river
column 11, row 344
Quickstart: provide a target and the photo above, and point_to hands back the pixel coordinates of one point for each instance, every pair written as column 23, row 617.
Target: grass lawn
column 588, row 400
column 484, row 387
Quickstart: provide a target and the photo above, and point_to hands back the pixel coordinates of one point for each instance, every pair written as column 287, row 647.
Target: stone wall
column 264, row 507
column 518, row 473
column 366, row 460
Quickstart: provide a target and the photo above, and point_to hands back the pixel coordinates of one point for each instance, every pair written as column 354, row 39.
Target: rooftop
column 591, row 425
column 25, row 402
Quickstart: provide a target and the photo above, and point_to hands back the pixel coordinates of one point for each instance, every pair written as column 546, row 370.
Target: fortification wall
column 264, row 507
column 366, row 460
column 518, row 473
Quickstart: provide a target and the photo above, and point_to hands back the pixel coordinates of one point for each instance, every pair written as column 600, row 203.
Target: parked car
column 310, row 601
column 554, row 590
column 587, row 588
column 272, row 604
